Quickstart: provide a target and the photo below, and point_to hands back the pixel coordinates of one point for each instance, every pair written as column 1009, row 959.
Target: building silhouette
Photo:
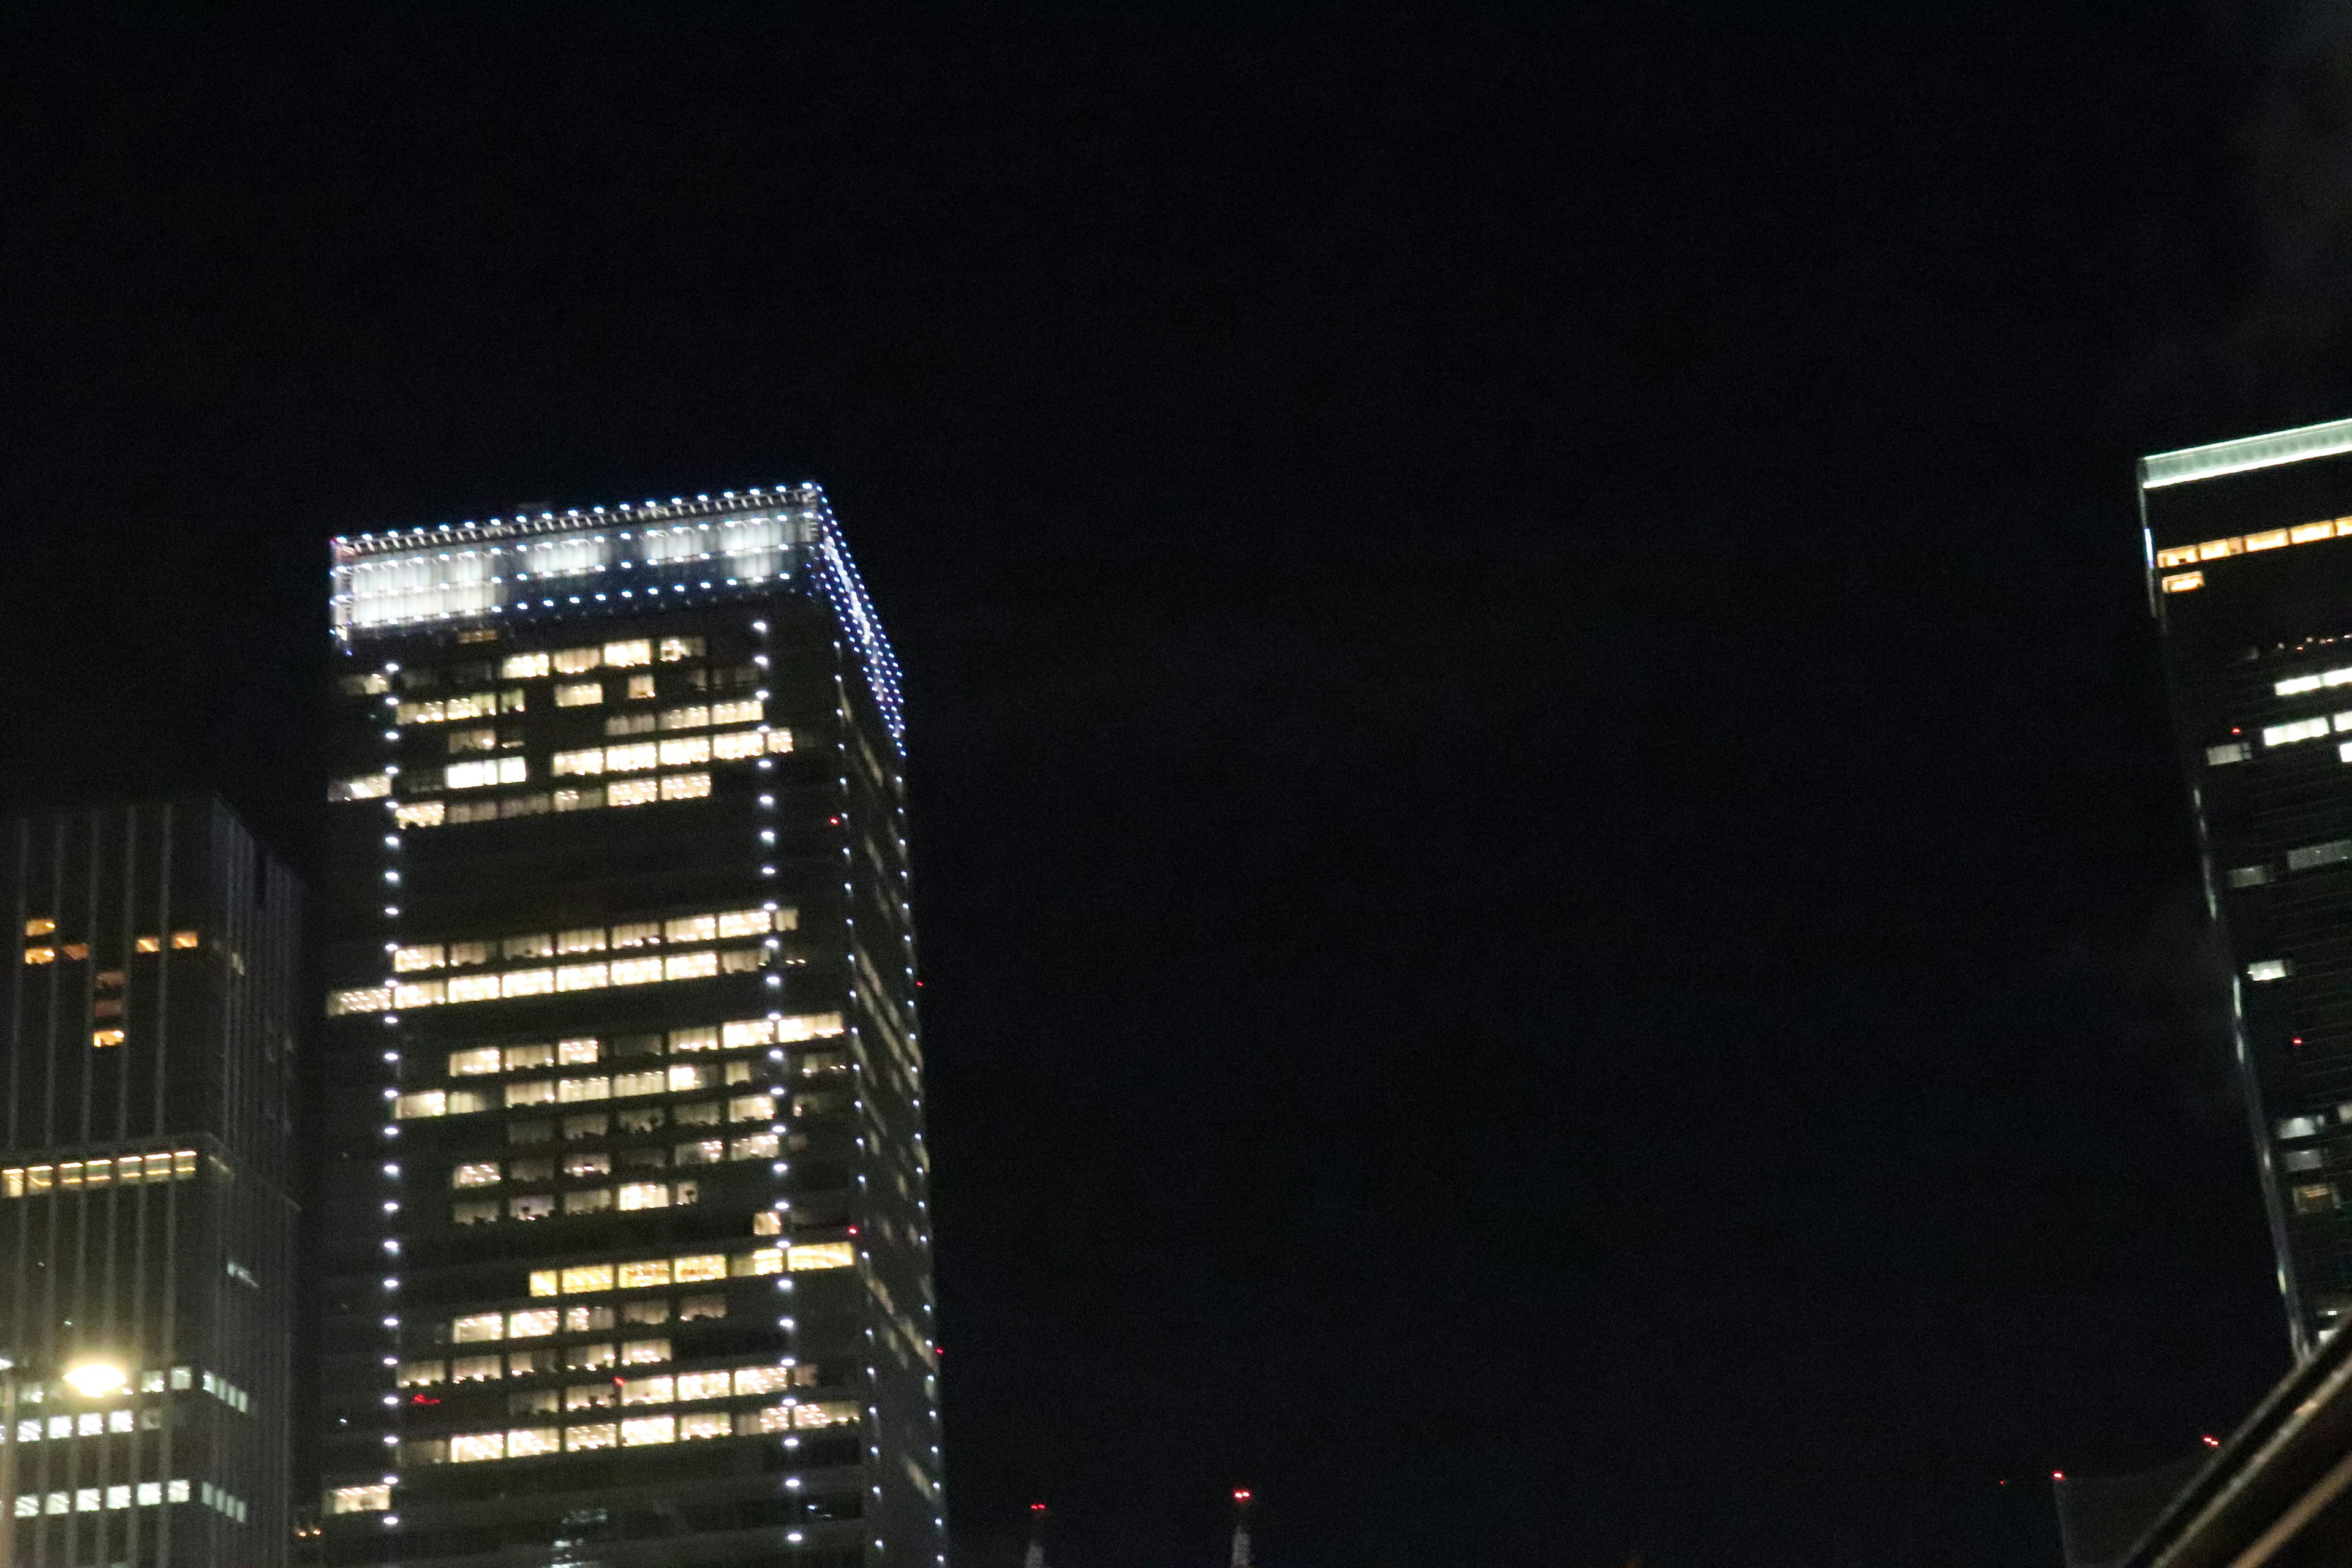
column 144, row 1217
column 2248, row 548
column 629, row 1238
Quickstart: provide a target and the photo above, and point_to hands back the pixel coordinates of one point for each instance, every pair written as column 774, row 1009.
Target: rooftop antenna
column 1241, row 1529
column 1037, row 1558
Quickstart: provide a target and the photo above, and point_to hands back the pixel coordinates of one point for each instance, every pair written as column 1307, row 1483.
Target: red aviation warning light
column 1241, row 1495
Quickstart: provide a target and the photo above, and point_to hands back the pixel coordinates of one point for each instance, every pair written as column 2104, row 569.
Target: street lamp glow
column 96, row 1379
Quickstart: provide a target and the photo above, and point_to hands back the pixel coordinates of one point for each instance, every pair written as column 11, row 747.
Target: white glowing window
column 754, row 1146
column 685, row 786
column 675, row 648
column 524, row 1442
column 637, row 933
column 636, row 970
column 477, row 1368
column 577, row 1053
column 576, row 660
column 751, row 1107
column 538, row 1091
column 751, row 1380
column 526, row 982
column 632, row 1083
column 690, row 966
column 580, row 694
column 703, row 1039
column 708, row 1152
column 831, row 1413
column 573, row 1091
column 594, row 1435
column 580, row 977
column 808, row 1026
column 2301, row 730
column 480, row 1060
column 2269, row 969
column 695, row 717
column 644, row 1196
column 359, row 1500
column 637, row 1276
column 477, row 1328
column 623, row 654
column 645, row 1429
column 523, row 666
column 691, row 927
column 475, row 705
column 365, row 999
column 579, row 799
column 478, row 1445
column 474, row 1211
column 366, row 786
column 591, row 761
column 418, row 993
column 703, row 1424
column 585, row 939
column 474, row 988
column 649, row 1391
column 738, row 745
column 686, row 1077
column 742, row 922
column 420, row 813
column 632, row 792
column 420, row 1374
column 821, row 1255
column 428, row 1102
column 641, row 687
column 2230, row 752
column 364, row 684
column 425, row 955
column 702, row 1386
column 632, row 759
column 521, row 1056
column 744, row 711
column 780, row 740
column 474, row 1173
column 2295, row 686
column 537, row 1323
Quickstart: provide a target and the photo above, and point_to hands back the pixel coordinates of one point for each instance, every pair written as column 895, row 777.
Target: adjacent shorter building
column 144, row 1214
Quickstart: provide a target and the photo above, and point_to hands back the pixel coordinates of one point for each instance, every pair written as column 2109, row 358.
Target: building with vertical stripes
column 144, row 1215
column 626, row 1192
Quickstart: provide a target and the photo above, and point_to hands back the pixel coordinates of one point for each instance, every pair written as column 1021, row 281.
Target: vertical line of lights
column 389, row 1241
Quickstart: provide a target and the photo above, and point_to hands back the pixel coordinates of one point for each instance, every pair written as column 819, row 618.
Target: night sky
column 1557, row 916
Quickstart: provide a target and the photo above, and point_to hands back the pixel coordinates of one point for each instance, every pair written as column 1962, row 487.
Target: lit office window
column 694, row 716
column 523, row 666
column 676, row 649
column 481, row 739
column 623, row 654
column 359, row 1500
column 632, row 792
column 820, row 1255
column 424, row 955
column 591, row 1435
column 366, row 786
column 477, row 1174
column 420, row 1374
column 742, row 710
column 477, row 1368
column 532, row 1206
column 576, row 660
column 685, row 786
column 629, row 724
column 477, row 1328
column 580, row 694
column 477, row 776
column 421, row 814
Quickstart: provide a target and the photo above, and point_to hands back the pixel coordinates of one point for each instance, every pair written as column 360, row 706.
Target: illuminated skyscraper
column 2249, row 576
column 630, row 1258
column 145, row 1227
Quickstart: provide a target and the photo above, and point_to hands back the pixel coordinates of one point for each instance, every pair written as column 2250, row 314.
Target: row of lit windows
column 128, row 1170
column 623, row 655
column 512, row 982
column 592, row 1319
column 650, row 1273
column 473, row 705
column 716, row 926
column 539, row 802
column 640, row 756
column 587, row 1166
column 79, row 951
column 580, row 1091
column 627, row 1197
column 527, row 1442
column 2243, row 544
column 147, row 1494
column 2305, row 728
column 474, row 1061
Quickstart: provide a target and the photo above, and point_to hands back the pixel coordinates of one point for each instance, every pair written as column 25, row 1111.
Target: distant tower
column 1241, row 1529
column 1037, row 1558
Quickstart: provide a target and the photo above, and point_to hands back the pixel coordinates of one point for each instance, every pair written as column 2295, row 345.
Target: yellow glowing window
column 523, row 666
column 149, row 944
column 694, row 1039
column 587, row 1277
column 580, row 694
column 767, row 1260
column 480, row 1060
column 652, row 1272
column 39, row 926
column 833, row 1413
column 641, row 687
column 575, row 660
column 690, row 966
column 675, row 648
column 2272, row 538
column 591, row 1435
column 477, row 1328
column 425, row 955
column 543, row 1282
column 475, row 1446
column 685, row 786
column 2214, row 549
column 420, row 813
column 76, row 950
column 420, row 1374
column 2304, row 533
column 475, row 1369
column 359, row 1500
column 695, row 715
column 529, row 1440
column 621, row 655
column 477, row 1174
column 744, row 711
column 649, row 1390
column 104, row 1038
column 40, row 955
column 537, row 1323
column 648, row 1429
column 632, row 792
column 822, row 1255
column 701, row 1384
column 2184, row 581
column 735, row 746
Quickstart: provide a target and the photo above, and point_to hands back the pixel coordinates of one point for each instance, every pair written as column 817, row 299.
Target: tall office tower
column 630, row 1260
column 144, row 1222
column 2249, row 576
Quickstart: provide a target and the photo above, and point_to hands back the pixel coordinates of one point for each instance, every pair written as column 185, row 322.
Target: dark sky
column 1555, row 913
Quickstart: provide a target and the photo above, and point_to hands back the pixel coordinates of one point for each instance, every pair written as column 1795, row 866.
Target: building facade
column 144, row 1215
column 2249, row 549
column 628, row 1255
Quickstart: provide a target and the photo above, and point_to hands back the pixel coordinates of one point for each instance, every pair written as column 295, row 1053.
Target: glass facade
column 628, row 1237
column 144, row 1216
column 2248, row 550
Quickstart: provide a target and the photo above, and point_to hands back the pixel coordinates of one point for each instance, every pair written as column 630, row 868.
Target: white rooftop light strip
column 2245, row 454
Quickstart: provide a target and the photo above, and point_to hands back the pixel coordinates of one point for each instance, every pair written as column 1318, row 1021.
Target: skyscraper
column 2249, row 547
column 144, row 1220
column 630, row 1256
